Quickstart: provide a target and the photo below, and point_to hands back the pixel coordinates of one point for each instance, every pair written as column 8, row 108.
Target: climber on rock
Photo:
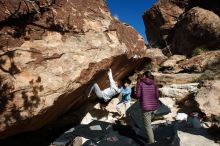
column 107, row 93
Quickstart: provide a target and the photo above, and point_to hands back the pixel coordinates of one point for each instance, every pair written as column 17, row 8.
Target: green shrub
column 199, row 51
column 217, row 118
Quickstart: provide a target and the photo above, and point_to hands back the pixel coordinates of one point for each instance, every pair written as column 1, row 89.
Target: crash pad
column 96, row 130
column 134, row 113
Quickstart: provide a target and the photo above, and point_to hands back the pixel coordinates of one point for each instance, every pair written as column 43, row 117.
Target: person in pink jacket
column 147, row 93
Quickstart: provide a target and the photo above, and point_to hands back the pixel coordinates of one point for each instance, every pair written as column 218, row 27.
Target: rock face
column 180, row 84
column 50, row 54
column 197, row 28
column 183, row 25
column 180, row 78
column 208, row 98
column 98, row 112
column 156, row 58
column 179, row 91
column 159, row 21
column 205, row 66
column 201, row 62
column 171, row 65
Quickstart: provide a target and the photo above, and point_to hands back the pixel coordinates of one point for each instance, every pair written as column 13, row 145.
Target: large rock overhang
column 48, row 60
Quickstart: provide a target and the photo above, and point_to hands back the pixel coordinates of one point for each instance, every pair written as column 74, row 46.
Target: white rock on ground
column 96, row 112
column 175, row 93
column 188, row 139
column 178, row 91
column 170, row 102
column 192, row 87
column 208, row 98
column 180, row 78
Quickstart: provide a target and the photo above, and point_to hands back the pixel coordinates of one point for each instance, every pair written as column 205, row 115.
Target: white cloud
column 116, row 16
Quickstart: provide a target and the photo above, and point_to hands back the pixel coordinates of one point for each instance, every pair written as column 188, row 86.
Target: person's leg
column 118, row 106
column 127, row 106
column 97, row 90
column 147, row 125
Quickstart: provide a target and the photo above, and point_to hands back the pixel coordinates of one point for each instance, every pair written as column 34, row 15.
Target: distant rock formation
column 192, row 83
column 50, row 51
column 183, row 26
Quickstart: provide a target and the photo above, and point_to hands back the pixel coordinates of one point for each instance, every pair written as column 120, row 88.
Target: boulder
column 171, row 65
column 193, row 136
column 201, row 62
column 171, row 103
column 173, row 60
column 198, row 28
column 178, row 94
column 208, row 98
column 182, row 26
column 156, row 57
column 51, row 54
column 180, row 78
column 179, row 91
column 102, row 113
column 160, row 20
column 191, row 87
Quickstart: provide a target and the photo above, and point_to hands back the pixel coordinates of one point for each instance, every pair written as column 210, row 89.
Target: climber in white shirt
column 107, row 93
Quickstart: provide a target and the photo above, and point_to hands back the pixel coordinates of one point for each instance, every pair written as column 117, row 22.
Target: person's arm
column 157, row 91
column 138, row 90
column 112, row 82
column 126, row 92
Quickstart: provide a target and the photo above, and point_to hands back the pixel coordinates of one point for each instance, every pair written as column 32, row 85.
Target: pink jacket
column 148, row 94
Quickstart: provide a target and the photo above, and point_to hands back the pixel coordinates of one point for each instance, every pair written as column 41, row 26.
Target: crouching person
column 126, row 97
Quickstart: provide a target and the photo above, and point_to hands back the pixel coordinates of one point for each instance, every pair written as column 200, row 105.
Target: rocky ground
column 181, row 91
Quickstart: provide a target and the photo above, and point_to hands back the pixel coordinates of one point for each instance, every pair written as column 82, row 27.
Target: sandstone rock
column 201, row 62
column 196, row 137
column 179, row 91
column 159, row 21
column 171, row 65
column 98, row 112
column 197, row 28
column 191, row 87
column 157, row 57
column 178, row 94
column 94, row 112
column 208, row 98
column 173, row 60
column 49, row 57
column 171, row 103
column 213, row 73
column 182, row 26
column 180, row 78
column 78, row 141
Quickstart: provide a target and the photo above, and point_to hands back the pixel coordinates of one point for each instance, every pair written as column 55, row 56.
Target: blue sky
column 130, row 12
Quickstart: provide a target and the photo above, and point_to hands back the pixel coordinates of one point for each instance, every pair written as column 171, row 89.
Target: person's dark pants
column 147, row 125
